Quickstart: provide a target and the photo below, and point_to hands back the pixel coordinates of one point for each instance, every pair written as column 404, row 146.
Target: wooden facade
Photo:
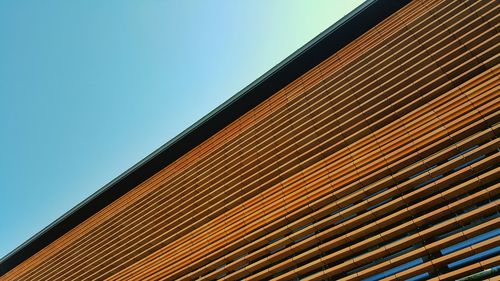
column 380, row 163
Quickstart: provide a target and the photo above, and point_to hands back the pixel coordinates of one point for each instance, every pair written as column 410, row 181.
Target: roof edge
column 334, row 38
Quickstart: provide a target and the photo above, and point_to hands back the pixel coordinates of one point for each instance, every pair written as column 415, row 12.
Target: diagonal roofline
column 334, row 38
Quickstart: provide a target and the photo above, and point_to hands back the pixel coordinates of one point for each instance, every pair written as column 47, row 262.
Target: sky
column 89, row 88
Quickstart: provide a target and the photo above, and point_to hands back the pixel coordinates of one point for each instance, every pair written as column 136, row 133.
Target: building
column 369, row 154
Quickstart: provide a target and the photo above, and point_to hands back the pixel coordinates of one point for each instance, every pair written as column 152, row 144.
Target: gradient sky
column 89, row 88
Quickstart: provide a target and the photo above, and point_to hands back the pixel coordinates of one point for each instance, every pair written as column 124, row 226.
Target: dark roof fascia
column 350, row 27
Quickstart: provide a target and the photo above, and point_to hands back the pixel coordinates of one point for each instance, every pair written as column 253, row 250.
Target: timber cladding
column 380, row 163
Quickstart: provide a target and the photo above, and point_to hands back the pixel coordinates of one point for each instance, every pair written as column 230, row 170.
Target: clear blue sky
column 89, row 88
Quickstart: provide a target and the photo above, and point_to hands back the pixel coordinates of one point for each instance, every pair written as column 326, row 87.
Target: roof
column 347, row 29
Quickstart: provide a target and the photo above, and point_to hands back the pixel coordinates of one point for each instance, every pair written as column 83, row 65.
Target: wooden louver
column 372, row 165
